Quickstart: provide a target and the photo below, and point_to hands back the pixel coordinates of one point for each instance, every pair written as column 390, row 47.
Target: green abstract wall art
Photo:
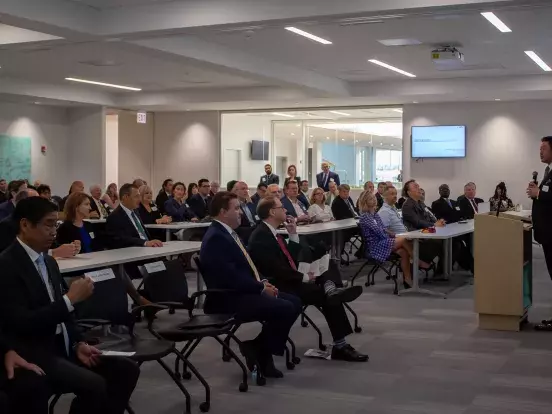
column 15, row 157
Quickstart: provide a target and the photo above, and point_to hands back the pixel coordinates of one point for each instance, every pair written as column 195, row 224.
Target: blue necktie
column 50, row 288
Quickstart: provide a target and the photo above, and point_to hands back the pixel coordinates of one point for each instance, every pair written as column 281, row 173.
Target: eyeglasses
column 277, row 208
column 206, row 186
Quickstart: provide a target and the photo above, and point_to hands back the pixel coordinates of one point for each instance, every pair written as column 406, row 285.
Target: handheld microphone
column 535, row 175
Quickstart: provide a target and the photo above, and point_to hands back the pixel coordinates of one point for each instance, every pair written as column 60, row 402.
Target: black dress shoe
column 344, row 295
column 546, row 321
column 406, row 285
column 543, row 327
column 270, row 370
column 348, row 353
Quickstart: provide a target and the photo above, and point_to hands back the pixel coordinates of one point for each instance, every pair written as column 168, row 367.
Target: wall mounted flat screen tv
column 259, row 150
column 442, row 141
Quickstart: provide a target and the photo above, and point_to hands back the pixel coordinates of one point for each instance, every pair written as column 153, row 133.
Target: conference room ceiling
column 226, row 55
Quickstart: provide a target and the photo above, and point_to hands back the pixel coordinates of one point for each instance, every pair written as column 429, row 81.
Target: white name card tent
column 155, row 267
column 101, row 275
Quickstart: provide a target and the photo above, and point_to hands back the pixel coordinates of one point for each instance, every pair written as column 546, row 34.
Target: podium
column 503, row 268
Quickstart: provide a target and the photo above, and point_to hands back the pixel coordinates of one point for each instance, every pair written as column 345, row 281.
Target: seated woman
column 176, row 207
column 380, row 243
column 193, row 189
column 319, row 211
column 150, row 214
column 500, row 198
column 75, row 229
column 113, row 195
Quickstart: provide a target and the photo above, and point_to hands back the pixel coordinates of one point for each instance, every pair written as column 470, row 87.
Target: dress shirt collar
column 128, row 211
column 32, row 254
column 226, row 226
column 272, row 229
column 388, row 206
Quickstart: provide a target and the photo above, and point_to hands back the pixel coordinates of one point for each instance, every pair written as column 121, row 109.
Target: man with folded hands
column 277, row 260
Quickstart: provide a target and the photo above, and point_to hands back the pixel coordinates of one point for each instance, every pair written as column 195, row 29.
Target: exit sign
column 141, row 117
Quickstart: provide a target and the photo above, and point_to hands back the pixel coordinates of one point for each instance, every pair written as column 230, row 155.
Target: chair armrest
column 153, row 307
column 92, row 323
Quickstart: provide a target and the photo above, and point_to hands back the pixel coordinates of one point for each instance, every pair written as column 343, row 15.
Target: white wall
column 503, row 141
column 85, row 146
column 186, row 146
column 45, row 126
column 111, row 150
column 135, row 147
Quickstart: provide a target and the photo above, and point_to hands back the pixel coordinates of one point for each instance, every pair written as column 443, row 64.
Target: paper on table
column 317, row 267
column 117, row 353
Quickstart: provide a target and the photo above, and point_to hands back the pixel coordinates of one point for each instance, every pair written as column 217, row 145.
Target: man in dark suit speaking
column 541, row 194
column 278, row 260
column 227, row 265
column 36, row 313
column 324, row 178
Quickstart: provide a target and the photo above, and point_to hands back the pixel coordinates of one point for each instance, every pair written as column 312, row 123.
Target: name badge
column 263, row 179
column 457, row 208
column 155, row 267
column 91, row 234
column 154, row 208
column 545, row 188
column 332, row 180
column 101, row 275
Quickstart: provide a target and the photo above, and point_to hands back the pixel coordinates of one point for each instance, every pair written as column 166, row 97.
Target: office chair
column 110, row 300
column 166, row 285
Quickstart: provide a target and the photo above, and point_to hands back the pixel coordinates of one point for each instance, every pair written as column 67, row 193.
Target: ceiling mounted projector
column 447, row 58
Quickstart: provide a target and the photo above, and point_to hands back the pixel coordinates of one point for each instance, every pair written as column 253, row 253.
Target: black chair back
column 109, row 301
column 166, row 282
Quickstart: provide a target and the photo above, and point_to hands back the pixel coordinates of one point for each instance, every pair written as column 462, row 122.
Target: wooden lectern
column 503, row 271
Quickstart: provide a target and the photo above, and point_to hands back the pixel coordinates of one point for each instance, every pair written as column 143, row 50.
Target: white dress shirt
column 100, row 207
column 297, row 207
column 33, row 255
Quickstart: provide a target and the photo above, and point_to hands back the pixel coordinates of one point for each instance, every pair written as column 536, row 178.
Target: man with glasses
column 200, row 202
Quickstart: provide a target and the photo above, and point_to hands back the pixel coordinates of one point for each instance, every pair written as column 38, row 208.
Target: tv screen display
column 259, row 150
column 443, row 141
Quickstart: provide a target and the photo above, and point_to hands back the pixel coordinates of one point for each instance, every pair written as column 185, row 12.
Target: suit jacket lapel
column 29, row 274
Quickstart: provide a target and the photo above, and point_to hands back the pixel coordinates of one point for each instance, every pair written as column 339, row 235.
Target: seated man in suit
column 343, row 206
column 3, row 190
column 332, row 194
column 7, row 207
column 227, row 265
column 23, row 386
column 248, row 214
column 36, row 313
column 379, row 195
column 277, row 261
column 468, row 203
column 274, row 190
column 261, row 192
column 445, row 208
column 98, row 204
column 303, row 194
column 269, row 178
column 294, row 207
column 200, row 202
column 324, row 178
column 415, row 215
column 215, row 188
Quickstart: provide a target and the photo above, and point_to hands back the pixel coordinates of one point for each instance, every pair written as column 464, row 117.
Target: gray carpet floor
column 426, row 356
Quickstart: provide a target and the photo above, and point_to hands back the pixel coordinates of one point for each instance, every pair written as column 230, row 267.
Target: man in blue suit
column 294, row 207
column 7, row 207
column 324, row 178
column 227, row 265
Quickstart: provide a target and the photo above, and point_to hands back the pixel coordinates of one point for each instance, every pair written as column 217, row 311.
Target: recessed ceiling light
column 327, row 137
column 393, row 68
column 282, row 114
column 340, row 113
column 414, row 102
column 298, row 125
column 356, row 140
column 381, row 143
column 293, row 134
column 538, row 60
column 36, row 103
column 312, row 136
column 496, row 22
column 400, row 111
column 392, row 145
column 308, row 35
column 342, row 139
column 110, row 85
column 399, row 42
column 497, row 99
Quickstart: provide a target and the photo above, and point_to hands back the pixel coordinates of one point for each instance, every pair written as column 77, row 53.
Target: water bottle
column 254, row 374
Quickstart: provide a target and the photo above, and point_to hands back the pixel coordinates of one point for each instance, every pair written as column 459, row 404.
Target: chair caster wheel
column 204, row 407
column 304, row 324
column 323, row 347
column 296, row 360
column 372, row 283
column 290, row 365
column 243, row 387
column 261, row 381
column 186, row 375
column 226, row 358
column 387, row 277
column 367, row 284
column 358, row 329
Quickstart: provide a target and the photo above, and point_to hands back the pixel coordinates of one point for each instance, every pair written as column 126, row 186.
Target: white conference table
column 177, row 226
column 446, row 233
column 96, row 221
column 335, row 227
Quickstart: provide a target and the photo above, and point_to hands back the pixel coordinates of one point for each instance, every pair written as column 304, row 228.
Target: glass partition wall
column 361, row 144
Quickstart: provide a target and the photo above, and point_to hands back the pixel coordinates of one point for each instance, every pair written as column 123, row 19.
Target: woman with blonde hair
column 319, row 211
column 379, row 243
column 113, row 194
